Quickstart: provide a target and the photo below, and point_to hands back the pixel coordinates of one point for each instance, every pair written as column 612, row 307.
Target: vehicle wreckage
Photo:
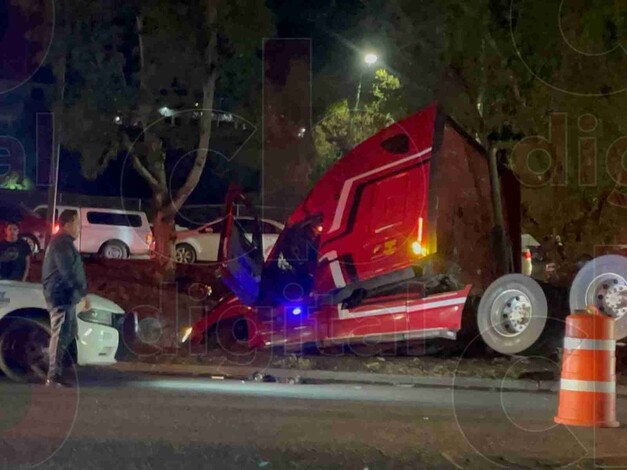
column 395, row 243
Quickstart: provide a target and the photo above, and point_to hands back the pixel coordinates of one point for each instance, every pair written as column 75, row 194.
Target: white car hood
column 31, row 295
column 100, row 303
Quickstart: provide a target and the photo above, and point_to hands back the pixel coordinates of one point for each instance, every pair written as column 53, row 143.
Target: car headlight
column 102, row 317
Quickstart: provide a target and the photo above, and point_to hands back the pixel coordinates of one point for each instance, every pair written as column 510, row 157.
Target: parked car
column 25, row 332
column 110, row 233
column 201, row 244
column 32, row 226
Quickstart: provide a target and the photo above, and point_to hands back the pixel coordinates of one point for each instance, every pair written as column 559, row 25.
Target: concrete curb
column 243, row 372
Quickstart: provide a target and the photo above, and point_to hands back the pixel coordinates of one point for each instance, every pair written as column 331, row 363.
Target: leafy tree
column 579, row 70
column 120, row 97
column 344, row 127
column 16, row 182
column 503, row 74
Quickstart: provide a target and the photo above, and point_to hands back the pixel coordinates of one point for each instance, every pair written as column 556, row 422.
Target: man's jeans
column 64, row 331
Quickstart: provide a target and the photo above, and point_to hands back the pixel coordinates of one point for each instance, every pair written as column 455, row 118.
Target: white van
column 110, row 233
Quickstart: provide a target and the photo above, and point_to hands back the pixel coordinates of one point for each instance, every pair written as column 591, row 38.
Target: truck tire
column 512, row 314
column 602, row 282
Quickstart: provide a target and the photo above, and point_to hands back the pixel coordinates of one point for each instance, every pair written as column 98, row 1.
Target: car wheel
column 24, row 350
column 185, row 254
column 33, row 243
column 114, row 250
column 512, row 314
column 602, row 282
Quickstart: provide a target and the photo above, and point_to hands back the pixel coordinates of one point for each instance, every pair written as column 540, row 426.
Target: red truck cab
column 388, row 245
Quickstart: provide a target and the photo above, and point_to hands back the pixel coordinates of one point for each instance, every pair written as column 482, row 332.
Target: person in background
column 14, row 255
column 65, row 286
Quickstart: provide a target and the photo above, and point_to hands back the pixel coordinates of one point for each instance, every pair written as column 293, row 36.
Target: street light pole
column 361, row 77
column 369, row 59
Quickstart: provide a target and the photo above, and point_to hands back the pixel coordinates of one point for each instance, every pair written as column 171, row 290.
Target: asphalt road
column 115, row 420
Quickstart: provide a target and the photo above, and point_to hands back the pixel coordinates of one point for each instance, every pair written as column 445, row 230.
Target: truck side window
column 399, row 144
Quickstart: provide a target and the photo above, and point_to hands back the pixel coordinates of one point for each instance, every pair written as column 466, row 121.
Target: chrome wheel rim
column 608, row 292
column 511, row 313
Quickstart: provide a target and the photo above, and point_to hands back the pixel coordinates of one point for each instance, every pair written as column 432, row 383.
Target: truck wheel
column 24, row 350
column 602, row 282
column 512, row 314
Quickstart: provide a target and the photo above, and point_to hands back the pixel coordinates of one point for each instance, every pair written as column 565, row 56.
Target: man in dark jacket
column 65, row 285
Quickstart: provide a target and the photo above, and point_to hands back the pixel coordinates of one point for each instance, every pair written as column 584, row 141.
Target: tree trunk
column 208, row 89
column 164, row 232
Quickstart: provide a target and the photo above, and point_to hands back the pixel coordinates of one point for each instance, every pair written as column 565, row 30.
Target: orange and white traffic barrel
column 588, row 383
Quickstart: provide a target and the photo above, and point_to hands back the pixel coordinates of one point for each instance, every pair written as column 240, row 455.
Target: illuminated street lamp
column 370, row 59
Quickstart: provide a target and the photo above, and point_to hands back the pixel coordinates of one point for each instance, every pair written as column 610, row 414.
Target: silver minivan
column 110, row 233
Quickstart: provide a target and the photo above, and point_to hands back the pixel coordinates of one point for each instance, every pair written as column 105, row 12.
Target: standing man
column 63, row 278
column 14, row 255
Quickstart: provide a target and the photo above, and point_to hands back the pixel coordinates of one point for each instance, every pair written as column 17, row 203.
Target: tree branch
column 143, row 171
column 212, row 57
column 510, row 74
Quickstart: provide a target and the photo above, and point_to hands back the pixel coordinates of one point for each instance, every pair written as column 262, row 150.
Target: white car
column 25, row 331
column 201, row 244
column 111, row 233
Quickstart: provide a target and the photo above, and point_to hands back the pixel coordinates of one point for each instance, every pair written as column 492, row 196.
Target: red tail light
column 55, row 229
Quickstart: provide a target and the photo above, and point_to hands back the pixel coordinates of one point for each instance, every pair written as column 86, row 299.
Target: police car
column 25, row 332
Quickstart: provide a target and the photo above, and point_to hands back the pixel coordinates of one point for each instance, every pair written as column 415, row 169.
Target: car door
column 208, row 238
column 375, row 204
column 240, row 258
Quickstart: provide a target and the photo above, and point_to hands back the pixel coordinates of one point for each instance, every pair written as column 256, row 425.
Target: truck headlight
column 101, row 317
column 186, row 334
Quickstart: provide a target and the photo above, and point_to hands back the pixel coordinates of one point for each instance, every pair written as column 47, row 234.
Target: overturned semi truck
column 395, row 243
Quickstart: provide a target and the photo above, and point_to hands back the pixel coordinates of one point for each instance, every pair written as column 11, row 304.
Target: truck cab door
column 240, row 254
column 375, row 202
